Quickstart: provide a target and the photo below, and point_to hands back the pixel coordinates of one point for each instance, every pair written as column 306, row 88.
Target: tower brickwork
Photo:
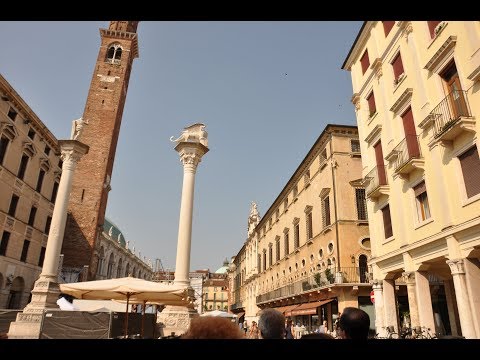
column 102, row 116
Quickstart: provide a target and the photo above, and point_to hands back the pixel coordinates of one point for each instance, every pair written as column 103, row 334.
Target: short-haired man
column 271, row 324
column 354, row 323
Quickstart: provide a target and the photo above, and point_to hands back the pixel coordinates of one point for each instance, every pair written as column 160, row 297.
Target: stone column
column 390, row 304
column 424, row 301
column 46, row 290
column 190, row 156
column 379, row 307
column 457, row 268
column 409, row 278
column 191, row 146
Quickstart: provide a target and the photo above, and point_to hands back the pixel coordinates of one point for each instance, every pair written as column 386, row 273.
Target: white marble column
column 46, row 290
column 390, row 304
column 424, row 300
column 409, row 278
column 379, row 307
column 457, row 268
column 190, row 156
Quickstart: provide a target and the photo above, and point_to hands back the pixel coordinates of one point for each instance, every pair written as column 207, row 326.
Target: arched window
column 101, row 261
column 110, row 266
column 127, row 270
column 119, row 268
column 114, row 54
column 14, row 300
column 363, row 268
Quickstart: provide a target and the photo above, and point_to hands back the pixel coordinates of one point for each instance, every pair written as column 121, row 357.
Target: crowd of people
column 353, row 323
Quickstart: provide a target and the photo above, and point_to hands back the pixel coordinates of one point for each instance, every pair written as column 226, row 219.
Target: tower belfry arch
column 103, row 117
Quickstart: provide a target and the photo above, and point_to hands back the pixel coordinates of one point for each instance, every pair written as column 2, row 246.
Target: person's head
column 354, row 323
column 289, row 322
column 206, row 327
column 271, row 324
column 254, row 323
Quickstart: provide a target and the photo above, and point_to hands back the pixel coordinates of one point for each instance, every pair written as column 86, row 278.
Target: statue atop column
column 77, row 128
column 193, row 133
column 253, row 218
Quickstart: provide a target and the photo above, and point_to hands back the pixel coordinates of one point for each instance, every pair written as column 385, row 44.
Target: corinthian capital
column 409, row 277
column 70, row 158
column 190, row 158
column 456, row 266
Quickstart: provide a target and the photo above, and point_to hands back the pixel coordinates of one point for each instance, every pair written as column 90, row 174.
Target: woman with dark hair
column 206, row 327
column 289, row 331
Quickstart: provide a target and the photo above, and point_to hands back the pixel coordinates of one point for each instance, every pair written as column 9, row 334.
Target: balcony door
column 455, row 95
column 382, row 179
column 410, row 134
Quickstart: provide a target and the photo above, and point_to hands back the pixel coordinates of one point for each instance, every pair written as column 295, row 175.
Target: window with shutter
column 371, row 104
column 387, row 26
column 431, row 27
column 397, row 66
column 387, row 222
column 470, row 164
column 365, row 62
column 421, row 196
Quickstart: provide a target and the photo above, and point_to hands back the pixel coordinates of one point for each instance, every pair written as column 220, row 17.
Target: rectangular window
column 387, row 26
column 355, row 146
column 54, row 192
column 309, row 226
column 13, row 205
column 326, row 211
column 264, row 260
column 421, row 197
column 323, row 156
column 285, row 205
column 372, row 108
column 46, row 150
column 295, row 191
column 387, row 222
column 4, row 243
column 470, row 164
column 365, row 62
column 286, row 243
column 277, row 248
column 41, row 175
column 23, row 166
column 26, row 245
column 259, row 263
column 296, row 236
column 31, row 134
column 431, row 27
column 361, row 204
column 270, row 256
column 12, row 114
column 47, row 224
column 3, row 148
column 42, row 256
column 397, row 66
column 31, row 217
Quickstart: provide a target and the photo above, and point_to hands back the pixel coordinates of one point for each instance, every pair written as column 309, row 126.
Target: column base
column 28, row 324
column 175, row 320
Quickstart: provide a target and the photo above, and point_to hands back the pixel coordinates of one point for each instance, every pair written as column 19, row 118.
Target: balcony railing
column 449, row 111
column 406, row 151
column 318, row 280
column 375, row 179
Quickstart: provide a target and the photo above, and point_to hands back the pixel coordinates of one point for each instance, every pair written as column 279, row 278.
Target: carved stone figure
column 77, row 128
column 254, row 218
column 193, row 133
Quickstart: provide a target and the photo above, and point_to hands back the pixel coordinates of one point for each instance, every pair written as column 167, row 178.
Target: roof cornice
column 358, row 44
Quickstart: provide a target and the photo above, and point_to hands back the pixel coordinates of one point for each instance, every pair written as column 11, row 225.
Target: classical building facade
column 30, row 170
column 415, row 91
column 307, row 256
column 118, row 259
column 102, row 119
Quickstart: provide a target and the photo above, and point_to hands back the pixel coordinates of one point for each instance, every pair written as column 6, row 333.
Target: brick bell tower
column 103, row 117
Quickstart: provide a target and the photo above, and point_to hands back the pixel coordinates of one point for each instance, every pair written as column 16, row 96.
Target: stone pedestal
column 28, row 324
column 175, row 320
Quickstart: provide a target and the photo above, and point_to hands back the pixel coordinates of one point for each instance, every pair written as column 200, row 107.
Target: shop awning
column 309, row 308
column 286, row 310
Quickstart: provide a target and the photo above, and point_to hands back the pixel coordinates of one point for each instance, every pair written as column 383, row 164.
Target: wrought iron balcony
column 377, row 183
column 452, row 116
column 317, row 281
column 407, row 156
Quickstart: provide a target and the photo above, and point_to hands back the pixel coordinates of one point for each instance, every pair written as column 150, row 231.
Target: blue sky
column 264, row 89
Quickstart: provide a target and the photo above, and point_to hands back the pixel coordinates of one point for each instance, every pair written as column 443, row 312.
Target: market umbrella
column 130, row 289
column 219, row 313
